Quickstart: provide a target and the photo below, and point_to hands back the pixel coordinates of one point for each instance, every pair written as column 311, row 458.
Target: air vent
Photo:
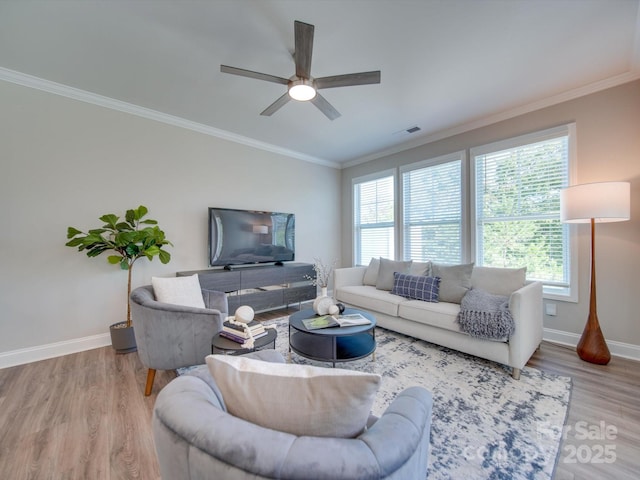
column 408, row 131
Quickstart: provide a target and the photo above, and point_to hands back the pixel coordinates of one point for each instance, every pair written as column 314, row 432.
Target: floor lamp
column 594, row 203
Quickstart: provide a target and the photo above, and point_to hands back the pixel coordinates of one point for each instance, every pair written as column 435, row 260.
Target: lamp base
column 592, row 346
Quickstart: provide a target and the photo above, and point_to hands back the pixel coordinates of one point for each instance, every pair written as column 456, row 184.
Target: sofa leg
column 516, row 374
column 151, row 375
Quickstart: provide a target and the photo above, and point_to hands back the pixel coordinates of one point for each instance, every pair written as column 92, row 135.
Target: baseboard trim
column 52, row 350
column 617, row 349
column 58, row 349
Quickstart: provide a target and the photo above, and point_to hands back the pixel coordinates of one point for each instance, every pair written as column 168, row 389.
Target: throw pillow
column 298, row 399
column 499, row 281
column 455, row 280
column 385, row 273
column 184, row 291
column 417, row 287
column 371, row 273
column 420, row 268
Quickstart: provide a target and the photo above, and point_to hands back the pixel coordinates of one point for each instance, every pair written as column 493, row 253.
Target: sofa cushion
column 499, row 281
column 442, row 315
column 370, row 298
column 417, row 287
column 371, row 273
column 455, row 280
column 299, row 399
column 184, row 291
column 386, row 271
column 420, row 268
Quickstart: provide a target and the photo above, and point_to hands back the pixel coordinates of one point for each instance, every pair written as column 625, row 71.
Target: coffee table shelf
column 337, row 344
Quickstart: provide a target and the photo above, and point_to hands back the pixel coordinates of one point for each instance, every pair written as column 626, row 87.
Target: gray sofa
column 436, row 322
column 196, row 438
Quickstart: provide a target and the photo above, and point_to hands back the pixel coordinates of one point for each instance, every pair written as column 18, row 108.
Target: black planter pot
column 122, row 338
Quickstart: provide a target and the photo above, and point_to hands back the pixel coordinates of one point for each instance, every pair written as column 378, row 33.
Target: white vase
column 322, row 303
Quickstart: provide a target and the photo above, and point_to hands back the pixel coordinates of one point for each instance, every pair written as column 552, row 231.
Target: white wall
column 65, row 163
column 608, row 148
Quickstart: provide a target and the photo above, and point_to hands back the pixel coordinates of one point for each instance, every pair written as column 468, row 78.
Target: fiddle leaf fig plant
column 128, row 241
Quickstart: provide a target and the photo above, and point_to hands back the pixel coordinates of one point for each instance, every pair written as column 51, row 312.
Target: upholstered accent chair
column 197, row 438
column 173, row 336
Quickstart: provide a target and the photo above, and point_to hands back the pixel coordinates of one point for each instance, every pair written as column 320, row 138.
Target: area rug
column 485, row 425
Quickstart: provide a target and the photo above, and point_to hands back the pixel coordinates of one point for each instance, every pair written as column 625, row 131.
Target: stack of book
column 238, row 334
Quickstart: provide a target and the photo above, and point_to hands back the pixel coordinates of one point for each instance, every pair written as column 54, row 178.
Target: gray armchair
column 197, row 439
column 173, row 336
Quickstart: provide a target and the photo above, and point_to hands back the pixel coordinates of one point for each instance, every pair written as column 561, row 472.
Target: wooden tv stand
column 263, row 287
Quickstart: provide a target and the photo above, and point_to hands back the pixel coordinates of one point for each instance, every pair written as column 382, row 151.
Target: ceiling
column 446, row 66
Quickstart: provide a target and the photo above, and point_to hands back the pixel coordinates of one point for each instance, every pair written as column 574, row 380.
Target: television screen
column 239, row 237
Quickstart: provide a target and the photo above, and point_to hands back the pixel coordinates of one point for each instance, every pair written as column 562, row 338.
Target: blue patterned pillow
column 417, row 287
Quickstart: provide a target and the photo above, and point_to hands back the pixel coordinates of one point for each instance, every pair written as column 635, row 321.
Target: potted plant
column 128, row 241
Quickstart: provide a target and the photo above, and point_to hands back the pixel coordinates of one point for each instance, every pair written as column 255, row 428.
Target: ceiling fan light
column 302, row 90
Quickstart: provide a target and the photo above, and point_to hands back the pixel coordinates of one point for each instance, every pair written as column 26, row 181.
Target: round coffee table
column 229, row 347
column 335, row 344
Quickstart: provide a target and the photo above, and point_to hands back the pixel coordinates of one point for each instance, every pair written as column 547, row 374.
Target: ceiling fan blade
column 362, row 78
column 251, row 74
column 277, row 105
column 303, row 48
column 325, row 107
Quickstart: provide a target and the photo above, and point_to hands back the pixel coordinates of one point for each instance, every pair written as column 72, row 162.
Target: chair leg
column 516, row 374
column 151, row 375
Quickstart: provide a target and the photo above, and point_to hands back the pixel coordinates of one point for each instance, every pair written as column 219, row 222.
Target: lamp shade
column 260, row 229
column 603, row 201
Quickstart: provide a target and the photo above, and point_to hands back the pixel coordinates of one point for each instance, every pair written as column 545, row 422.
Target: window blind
column 374, row 222
column 517, row 210
column 432, row 213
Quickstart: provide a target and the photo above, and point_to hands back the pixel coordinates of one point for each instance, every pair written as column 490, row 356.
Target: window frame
column 370, row 178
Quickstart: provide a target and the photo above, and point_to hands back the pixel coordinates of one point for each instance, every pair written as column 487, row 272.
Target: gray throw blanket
column 484, row 315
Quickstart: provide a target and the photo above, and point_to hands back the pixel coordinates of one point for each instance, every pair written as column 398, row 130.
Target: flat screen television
column 238, row 237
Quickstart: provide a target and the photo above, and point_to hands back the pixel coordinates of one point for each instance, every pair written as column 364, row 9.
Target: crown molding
column 37, row 83
column 73, row 93
column 501, row 116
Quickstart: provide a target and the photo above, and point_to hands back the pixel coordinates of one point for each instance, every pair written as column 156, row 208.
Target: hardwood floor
column 602, row 430
column 84, row 416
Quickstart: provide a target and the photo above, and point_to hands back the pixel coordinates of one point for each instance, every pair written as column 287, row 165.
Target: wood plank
column 85, row 415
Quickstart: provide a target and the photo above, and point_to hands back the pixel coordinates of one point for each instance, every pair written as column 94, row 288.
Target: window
column 432, row 210
column 517, row 206
column 374, row 218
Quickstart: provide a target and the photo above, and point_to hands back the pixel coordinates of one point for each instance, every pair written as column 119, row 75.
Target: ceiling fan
column 302, row 86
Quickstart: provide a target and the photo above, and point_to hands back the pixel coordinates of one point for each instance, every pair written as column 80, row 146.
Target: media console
column 263, row 287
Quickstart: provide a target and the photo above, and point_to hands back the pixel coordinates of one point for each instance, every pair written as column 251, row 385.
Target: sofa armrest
column 349, row 276
column 215, row 300
column 526, row 308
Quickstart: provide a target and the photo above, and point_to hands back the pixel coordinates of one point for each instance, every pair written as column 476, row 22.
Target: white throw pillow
column 184, row 291
column 420, row 268
column 371, row 273
column 386, row 271
column 455, row 281
column 299, row 399
column 499, row 281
